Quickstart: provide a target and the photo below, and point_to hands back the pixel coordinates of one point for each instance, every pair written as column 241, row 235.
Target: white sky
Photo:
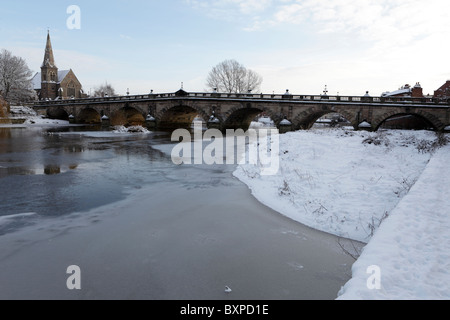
column 300, row 45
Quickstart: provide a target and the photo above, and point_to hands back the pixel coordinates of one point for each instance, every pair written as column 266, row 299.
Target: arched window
column 52, row 76
column 71, row 90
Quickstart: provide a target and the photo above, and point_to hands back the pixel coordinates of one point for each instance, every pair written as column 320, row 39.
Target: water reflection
column 5, row 133
column 74, row 148
column 52, row 169
column 4, row 172
column 142, row 150
column 77, row 128
column 58, row 171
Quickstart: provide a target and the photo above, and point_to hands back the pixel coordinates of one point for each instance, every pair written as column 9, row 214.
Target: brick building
column 51, row 83
column 406, row 91
column 443, row 92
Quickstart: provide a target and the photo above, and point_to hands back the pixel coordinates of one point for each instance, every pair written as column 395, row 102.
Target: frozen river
column 140, row 227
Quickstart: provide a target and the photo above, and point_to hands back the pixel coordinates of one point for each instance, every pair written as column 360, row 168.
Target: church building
column 53, row 84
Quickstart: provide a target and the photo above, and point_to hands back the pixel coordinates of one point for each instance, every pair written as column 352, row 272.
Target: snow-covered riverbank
column 349, row 183
column 412, row 247
column 339, row 181
column 31, row 118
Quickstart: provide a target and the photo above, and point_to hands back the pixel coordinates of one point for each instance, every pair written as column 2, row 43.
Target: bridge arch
column 423, row 120
column 89, row 116
column 58, row 113
column 180, row 116
column 240, row 117
column 128, row 116
column 306, row 119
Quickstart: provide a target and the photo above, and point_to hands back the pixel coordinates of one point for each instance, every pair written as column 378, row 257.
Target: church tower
column 49, row 73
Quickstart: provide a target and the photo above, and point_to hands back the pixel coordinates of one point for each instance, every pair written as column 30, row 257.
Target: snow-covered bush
column 424, row 146
column 21, row 111
column 378, row 139
column 133, row 129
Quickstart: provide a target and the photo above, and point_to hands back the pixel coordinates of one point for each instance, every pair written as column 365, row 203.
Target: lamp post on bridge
column 325, row 93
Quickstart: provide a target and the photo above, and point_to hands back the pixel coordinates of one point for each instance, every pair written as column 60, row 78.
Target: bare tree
column 105, row 90
column 231, row 76
column 252, row 81
column 15, row 78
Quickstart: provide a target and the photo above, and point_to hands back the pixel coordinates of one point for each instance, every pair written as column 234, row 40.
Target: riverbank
column 26, row 116
column 412, row 247
column 339, row 181
column 349, row 183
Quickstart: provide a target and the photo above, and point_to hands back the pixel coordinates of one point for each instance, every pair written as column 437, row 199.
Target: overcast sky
column 300, row 45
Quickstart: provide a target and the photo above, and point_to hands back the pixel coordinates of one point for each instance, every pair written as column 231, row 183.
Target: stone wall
column 238, row 113
column 70, row 86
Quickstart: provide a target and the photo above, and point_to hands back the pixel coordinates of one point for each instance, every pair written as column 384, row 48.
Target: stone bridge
column 233, row 111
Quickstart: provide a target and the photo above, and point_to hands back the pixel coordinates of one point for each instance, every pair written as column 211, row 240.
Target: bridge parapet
column 251, row 96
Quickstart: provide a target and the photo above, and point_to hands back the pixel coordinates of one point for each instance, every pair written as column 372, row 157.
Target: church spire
column 49, row 59
column 49, row 73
